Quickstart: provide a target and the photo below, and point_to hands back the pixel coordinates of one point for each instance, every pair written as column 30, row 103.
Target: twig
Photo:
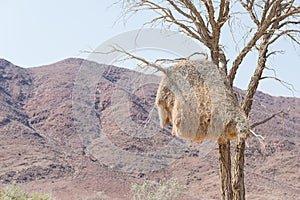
column 119, row 49
column 287, row 85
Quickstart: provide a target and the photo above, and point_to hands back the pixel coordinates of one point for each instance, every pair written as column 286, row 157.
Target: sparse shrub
column 98, row 196
column 151, row 190
column 16, row 193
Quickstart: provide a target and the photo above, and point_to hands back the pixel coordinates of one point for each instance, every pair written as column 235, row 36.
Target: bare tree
column 203, row 20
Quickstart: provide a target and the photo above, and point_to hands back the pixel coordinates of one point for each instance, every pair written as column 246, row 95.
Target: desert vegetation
column 162, row 190
column 16, row 193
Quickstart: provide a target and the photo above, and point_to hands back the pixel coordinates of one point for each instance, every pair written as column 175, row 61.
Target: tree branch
column 119, row 49
column 286, row 33
column 266, row 120
column 287, row 85
column 250, row 11
column 194, row 12
column 270, row 12
column 223, row 12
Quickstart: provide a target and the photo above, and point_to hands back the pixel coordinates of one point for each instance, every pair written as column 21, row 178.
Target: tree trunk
column 239, row 159
column 238, row 174
column 225, row 169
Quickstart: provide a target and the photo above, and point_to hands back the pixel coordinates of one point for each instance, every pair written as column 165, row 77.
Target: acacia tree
column 204, row 21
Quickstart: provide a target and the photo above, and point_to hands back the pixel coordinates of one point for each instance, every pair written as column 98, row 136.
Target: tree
column 204, row 21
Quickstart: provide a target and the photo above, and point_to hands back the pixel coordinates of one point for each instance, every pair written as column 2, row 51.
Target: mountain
column 76, row 128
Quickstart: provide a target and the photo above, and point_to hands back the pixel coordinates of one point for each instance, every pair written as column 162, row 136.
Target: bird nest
column 197, row 99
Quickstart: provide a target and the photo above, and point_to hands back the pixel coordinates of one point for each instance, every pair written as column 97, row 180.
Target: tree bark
column 225, row 169
column 238, row 173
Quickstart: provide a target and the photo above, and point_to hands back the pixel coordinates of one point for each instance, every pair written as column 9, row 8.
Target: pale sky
column 40, row 32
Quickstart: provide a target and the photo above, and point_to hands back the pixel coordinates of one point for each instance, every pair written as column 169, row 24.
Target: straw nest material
column 196, row 98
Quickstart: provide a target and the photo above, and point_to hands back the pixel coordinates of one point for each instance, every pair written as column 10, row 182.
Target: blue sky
column 35, row 32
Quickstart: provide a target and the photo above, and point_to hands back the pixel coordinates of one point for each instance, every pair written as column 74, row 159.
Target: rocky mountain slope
column 76, row 128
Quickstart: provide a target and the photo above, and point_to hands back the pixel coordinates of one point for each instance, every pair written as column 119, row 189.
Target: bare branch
column 223, row 12
column 265, row 10
column 119, row 49
column 270, row 20
column 297, row 41
column 251, row 12
column 286, row 33
column 266, row 120
column 211, row 14
column 199, row 20
column 288, row 23
column 179, row 10
column 273, row 53
column 287, row 85
column 143, row 60
column 242, row 55
column 214, row 48
column 286, row 15
column 259, row 33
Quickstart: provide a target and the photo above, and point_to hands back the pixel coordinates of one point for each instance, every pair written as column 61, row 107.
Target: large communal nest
column 197, row 99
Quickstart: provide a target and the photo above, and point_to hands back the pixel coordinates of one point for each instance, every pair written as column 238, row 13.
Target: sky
column 35, row 33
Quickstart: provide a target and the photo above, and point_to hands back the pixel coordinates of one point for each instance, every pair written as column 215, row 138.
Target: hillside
column 75, row 128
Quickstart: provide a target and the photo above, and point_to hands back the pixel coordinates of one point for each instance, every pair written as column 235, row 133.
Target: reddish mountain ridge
column 76, row 128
